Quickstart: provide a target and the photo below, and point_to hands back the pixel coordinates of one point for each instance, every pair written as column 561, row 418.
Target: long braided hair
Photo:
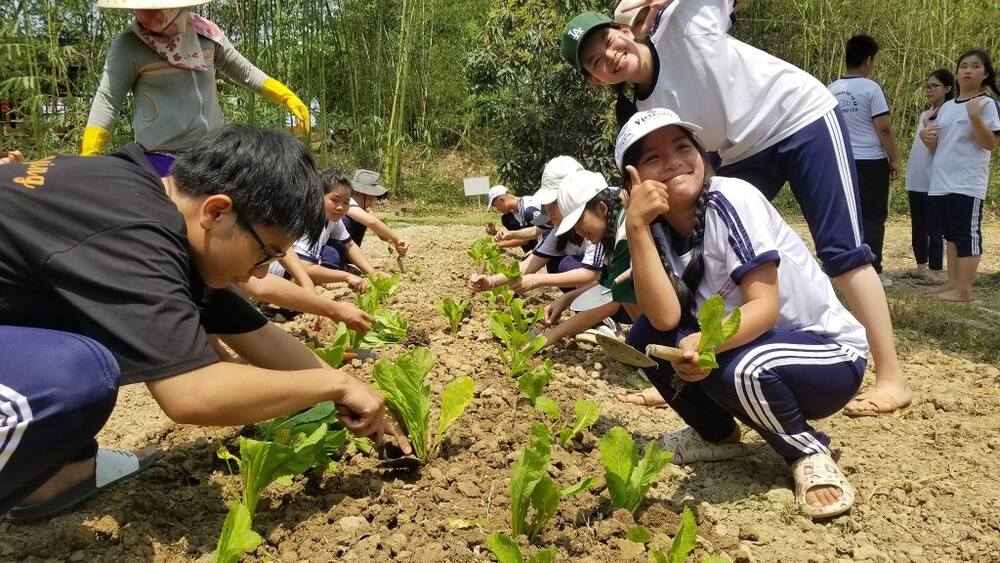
column 611, row 200
column 687, row 285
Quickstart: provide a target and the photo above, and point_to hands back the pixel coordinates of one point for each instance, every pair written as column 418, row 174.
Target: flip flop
column 688, row 447
column 112, row 467
column 883, row 404
column 813, row 471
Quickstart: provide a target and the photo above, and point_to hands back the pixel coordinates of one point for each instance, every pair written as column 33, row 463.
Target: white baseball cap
column 575, row 191
column 552, row 176
column 495, row 192
column 626, row 18
column 644, row 123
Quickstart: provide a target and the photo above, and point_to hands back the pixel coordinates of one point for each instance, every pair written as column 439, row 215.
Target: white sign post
column 478, row 186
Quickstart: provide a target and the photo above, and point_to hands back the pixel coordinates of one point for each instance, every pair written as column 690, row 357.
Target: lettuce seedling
column 714, row 330
column 506, row 551
column 484, row 250
column 532, row 383
column 683, row 543
column 531, row 487
column 453, row 311
column 406, row 393
column 627, row 476
column 513, row 328
column 237, row 537
column 586, row 413
column 382, row 287
column 333, row 353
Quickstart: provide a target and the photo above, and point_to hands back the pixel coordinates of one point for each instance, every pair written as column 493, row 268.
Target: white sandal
column 688, row 447
column 816, row 470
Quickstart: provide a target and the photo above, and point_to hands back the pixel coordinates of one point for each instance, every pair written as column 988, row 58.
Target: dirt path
column 926, row 477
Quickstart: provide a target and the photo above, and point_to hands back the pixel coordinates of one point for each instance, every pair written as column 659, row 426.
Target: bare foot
column 879, row 400
column 954, row 295
column 71, row 475
column 946, row 286
column 648, row 397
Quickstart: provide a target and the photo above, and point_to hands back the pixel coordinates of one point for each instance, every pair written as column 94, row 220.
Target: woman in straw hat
column 167, row 58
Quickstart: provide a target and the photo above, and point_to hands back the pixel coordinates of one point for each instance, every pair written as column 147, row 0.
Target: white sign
column 479, row 185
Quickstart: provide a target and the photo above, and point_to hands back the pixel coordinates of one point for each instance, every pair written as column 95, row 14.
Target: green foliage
column 714, row 331
column 532, row 383
column 513, row 328
column 531, row 488
column 639, row 534
column 484, row 251
column 586, row 413
column 284, row 429
column 683, row 543
column 388, row 326
column 384, row 286
column 407, row 395
column 627, row 476
column 453, row 311
column 506, row 551
column 236, row 538
column 333, row 353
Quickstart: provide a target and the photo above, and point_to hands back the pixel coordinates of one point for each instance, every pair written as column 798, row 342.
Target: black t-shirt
column 93, row 245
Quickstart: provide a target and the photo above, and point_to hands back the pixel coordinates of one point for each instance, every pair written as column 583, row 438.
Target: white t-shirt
column 742, row 232
column 332, row 230
column 746, row 100
column 592, row 254
column 861, row 101
column 530, row 212
column 960, row 164
column 918, row 166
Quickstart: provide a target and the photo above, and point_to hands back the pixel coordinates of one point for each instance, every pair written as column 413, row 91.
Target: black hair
column 858, row 48
column 332, row 178
column 984, row 57
column 946, row 78
column 690, row 279
column 625, row 108
column 609, row 197
column 269, row 175
column 564, row 239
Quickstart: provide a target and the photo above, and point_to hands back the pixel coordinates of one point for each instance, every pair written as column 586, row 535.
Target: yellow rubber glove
column 94, row 138
column 280, row 94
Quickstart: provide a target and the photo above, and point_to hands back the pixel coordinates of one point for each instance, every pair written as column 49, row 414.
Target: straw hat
column 149, row 4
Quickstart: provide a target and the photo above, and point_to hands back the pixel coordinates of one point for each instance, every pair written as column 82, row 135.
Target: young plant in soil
column 388, row 326
column 454, row 311
column 682, row 545
column 333, row 353
column 513, row 328
column 506, row 550
column 407, row 395
column 483, row 251
column 532, row 488
column 627, row 476
column 532, row 383
column 585, row 415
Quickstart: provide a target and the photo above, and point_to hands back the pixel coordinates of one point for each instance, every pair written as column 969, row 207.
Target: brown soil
column 926, row 487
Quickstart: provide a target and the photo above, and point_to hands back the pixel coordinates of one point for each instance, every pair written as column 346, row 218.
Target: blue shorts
column 356, row 229
column 818, row 164
column 960, row 218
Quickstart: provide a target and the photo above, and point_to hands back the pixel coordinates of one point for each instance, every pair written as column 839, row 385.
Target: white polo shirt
column 334, row 230
column 592, row 255
column 918, row 165
column 861, row 100
column 961, row 165
column 745, row 100
column 742, row 232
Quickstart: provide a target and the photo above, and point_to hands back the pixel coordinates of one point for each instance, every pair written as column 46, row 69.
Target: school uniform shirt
column 918, row 165
column 961, row 165
column 93, row 246
column 745, row 100
column 743, row 232
column 333, row 230
column 592, row 255
column 617, row 262
column 528, row 213
column 861, row 100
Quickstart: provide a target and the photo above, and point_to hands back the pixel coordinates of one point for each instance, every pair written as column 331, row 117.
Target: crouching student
column 522, row 218
column 322, row 262
column 798, row 354
column 365, row 190
column 568, row 263
column 125, row 284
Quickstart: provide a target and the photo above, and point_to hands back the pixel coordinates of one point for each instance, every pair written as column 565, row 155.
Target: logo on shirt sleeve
column 35, row 173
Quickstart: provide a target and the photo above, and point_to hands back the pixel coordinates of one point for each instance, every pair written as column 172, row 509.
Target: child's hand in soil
column 527, row 283
column 689, row 369
column 554, row 311
column 357, row 284
column 480, row 282
column 352, row 316
column 401, row 248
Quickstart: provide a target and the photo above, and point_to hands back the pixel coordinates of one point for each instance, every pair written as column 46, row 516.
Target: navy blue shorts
column 818, row 164
column 960, row 219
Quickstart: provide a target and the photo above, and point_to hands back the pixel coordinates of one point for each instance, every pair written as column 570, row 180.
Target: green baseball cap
column 576, row 31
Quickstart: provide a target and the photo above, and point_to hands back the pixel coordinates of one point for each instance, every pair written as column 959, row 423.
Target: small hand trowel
column 599, row 295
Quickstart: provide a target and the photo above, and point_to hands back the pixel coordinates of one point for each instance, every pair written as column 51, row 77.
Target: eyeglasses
column 269, row 256
column 930, row 87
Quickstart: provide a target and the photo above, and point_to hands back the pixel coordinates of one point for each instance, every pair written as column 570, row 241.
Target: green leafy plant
column 453, row 311
column 513, row 328
column 714, row 330
column 382, row 287
column 237, row 537
column 627, row 476
column 387, row 326
column 532, row 488
column 585, row 415
column 409, row 397
column 484, row 250
column 532, row 383
column 683, row 543
column 333, row 353
column 507, row 551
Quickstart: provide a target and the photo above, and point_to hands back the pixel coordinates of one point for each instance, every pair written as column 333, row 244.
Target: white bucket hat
column 149, row 4
column 552, row 175
column 575, row 191
column 644, row 123
column 495, row 192
column 366, row 182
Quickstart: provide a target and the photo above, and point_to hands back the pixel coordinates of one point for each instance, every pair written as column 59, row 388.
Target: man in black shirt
column 110, row 275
